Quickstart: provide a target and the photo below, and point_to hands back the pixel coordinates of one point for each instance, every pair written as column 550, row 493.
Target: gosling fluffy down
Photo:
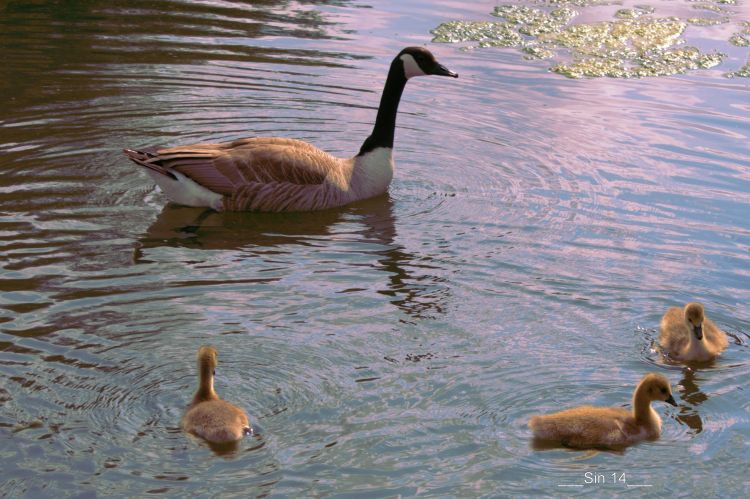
column 208, row 416
column 592, row 427
column 687, row 335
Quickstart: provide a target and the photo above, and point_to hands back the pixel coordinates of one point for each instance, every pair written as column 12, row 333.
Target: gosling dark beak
column 671, row 401
column 441, row 70
column 698, row 331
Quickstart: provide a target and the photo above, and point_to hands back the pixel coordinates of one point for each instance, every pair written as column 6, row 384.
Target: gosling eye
column 214, row 372
column 664, row 391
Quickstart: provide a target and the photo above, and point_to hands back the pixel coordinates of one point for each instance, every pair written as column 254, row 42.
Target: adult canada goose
column 590, row 427
column 278, row 174
column 207, row 415
column 688, row 335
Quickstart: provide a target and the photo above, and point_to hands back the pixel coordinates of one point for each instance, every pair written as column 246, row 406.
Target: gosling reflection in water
column 410, row 286
column 690, row 393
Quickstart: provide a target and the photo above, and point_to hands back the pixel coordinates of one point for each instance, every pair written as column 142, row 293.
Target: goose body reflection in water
column 287, row 240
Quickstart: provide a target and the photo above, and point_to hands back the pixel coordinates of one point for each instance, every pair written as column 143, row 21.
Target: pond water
column 537, row 228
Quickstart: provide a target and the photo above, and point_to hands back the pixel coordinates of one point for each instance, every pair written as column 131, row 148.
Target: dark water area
column 536, row 229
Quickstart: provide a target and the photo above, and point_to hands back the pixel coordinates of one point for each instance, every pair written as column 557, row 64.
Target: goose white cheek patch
column 411, row 68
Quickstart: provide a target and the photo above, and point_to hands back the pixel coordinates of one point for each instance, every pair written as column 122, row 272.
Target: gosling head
column 658, row 388
column 694, row 318
column 207, row 360
column 418, row 61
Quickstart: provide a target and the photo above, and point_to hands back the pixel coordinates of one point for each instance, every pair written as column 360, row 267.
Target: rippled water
column 536, row 229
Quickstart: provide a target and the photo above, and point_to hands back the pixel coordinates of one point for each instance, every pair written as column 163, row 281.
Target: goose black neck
column 385, row 123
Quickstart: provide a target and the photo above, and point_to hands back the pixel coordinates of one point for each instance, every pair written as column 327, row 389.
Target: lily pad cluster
column 636, row 43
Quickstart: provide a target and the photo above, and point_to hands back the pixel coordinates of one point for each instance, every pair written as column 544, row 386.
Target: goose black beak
column 671, row 401
column 441, row 70
column 698, row 332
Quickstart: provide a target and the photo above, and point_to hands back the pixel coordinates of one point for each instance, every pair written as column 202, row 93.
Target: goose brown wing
column 225, row 167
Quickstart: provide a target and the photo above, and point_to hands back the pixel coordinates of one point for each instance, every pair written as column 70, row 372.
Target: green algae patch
column 707, row 21
column 635, row 12
column 743, row 72
column 621, row 39
column 741, row 39
column 581, row 3
column 635, row 44
column 534, row 51
column 629, row 48
column 534, row 22
column 710, row 7
column 673, row 61
column 487, row 33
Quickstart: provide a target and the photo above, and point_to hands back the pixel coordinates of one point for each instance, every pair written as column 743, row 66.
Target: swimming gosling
column 592, row 427
column 687, row 335
column 207, row 415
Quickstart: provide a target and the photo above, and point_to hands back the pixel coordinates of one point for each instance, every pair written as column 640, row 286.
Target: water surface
column 536, row 229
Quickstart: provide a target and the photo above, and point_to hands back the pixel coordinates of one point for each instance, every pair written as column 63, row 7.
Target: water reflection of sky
column 536, row 229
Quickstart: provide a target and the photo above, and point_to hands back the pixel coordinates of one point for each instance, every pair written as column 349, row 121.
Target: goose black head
column 418, row 61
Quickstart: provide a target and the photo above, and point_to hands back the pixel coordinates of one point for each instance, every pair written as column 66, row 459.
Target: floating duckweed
column 706, row 21
column 679, row 60
column 708, row 6
column 636, row 45
column 635, row 12
column 618, row 38
column 534, row 51
column 593, row 67
column 534, row 22
column 632, row 48
column 666, row 63
column 519, row 14
column 740, row 40
column 488, row 33
column 581, row 3
column 743, row 72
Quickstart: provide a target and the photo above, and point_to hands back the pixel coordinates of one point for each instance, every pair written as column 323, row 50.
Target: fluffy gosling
column 207, row 415
column 687, row 335
column 592, row 427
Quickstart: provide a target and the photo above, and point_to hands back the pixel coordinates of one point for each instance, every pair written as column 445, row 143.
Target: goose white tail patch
column 411, row 68
column 187, row 192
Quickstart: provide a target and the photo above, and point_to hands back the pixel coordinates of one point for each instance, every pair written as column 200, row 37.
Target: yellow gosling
column 208, row 416
column 687, row 335
column 592, row 427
